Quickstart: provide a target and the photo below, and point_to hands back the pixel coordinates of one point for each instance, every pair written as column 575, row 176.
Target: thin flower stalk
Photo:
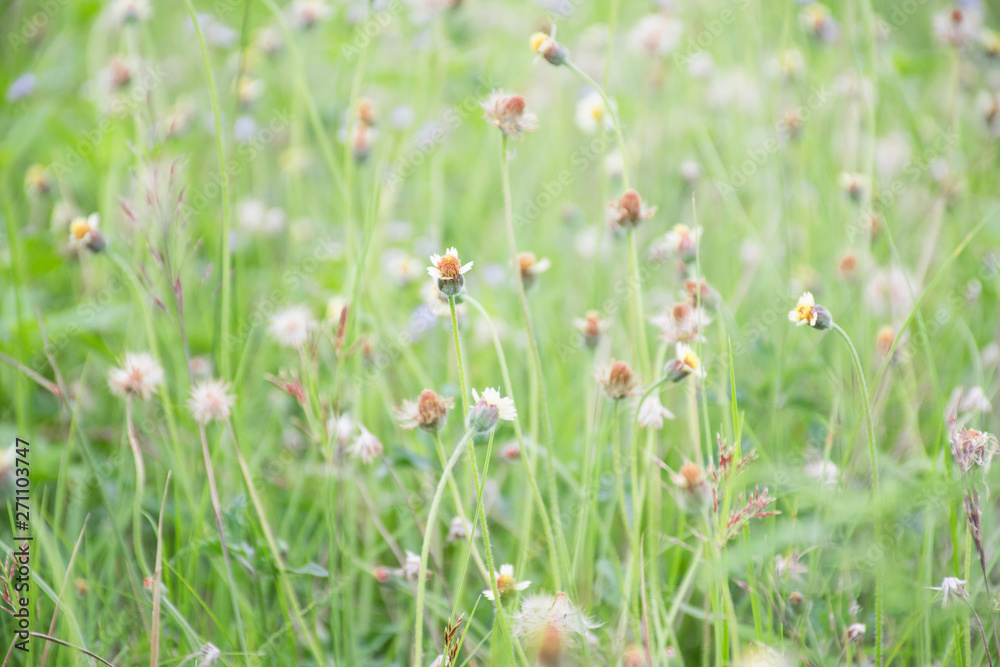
column 525, row 457
column 140, row 482
column 533, row 346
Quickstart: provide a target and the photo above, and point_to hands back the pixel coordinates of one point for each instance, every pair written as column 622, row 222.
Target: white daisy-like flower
column 652, row 413
column 592, row 114
column 140, row 375
column 291, row 327
column 506, row 582
column 365, row 447
column 210, row 400
column 681, row 241
column 503, row 404
column 83, row 232
column 805, row 311
column 447, row 266
column 951, row 588
column 400, row 267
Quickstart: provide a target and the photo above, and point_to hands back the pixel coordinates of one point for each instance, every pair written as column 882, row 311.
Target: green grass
column 314, row 564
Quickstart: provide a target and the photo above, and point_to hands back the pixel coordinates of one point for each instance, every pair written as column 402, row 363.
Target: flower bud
column 483, row 417
column 547, row 47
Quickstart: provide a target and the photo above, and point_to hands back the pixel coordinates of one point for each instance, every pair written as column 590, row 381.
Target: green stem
column 533, row 346
column 873, row 455
column 458, row 355
column 224, row 174
column 140, row 482
column 418, row 632
column 614, row 118
column 525, row 458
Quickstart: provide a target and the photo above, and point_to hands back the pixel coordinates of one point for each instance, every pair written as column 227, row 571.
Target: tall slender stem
column 491, row 569
column 533, row 346
column 224, row 174
column 418, row 631
column 217, row 509
column 614, row 118
column 140, row 482
column 873, row 455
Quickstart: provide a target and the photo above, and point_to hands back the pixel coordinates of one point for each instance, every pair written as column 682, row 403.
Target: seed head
column 530, row 267
column 951, row 587
column 291, row 327
column 429, row 412
column 210, row 400
column 628, row 211
column 365, row 447
column 140, row 375
column 618, row 380
column 508, row 113
column 591, row 326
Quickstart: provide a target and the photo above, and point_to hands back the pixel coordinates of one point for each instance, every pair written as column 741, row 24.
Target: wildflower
column 628, row 211
column 824, row 472
column 690, row 171
column 400, row 267
column 140, row 375
column 855, row 185
column 796, row 603
column 591, row 113
column 591, row 326
column 210, row 400
column 459, row 529
column 682, row 241
column 429, row 412
column 36, row 180
column 989, row 40
column 790, row 64
column 790, row 123
column 508, row 113
column 951, row 587
column 365, row 447
column 807, row 312
column 855, row 632
column 125, row 12
column 305, row 14
column 489, row 408
column 411, row 567
column 816, row 19
column 201, row 366
column 966, row 401
column 848, row 265
column 789, row 566
column 656, row 34
column 530, row 267
column 652, row 413
column 699, row 293
column 680, row 323
column 694, row 491
column 21, row 87
column 83, row 232
column 506, row 582
column 291, row 327
column 956, row 27
column 449, row 272
column 546, row 46
column 685, row 363
column 973, row 449
column 551, row 625
column 381, row 574
column 619, row 381
column 510, row 452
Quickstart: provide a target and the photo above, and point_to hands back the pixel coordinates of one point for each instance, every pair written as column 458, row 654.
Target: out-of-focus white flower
column 411, row 567
column 400, row 267
column 340, row 427
column 951, row 588
column 956, row 26
column 552, row 620
column 656, row 34
column 304, row 14
column 887, row 292
column 964, row 402
column 824, row 472
column 856, row 632
column 652, row 413
column 124, row 12
column 291, row 327
column 681, row 323
column 256, row 218
column 690, row 170
column 139, row 375
column 365, row 447
column 210, row 400
column 789, row 566
column 592, row 114
column 789, row 64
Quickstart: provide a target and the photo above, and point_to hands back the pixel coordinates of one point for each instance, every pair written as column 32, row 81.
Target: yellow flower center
column 505, row 584
column 537, row 40
column 597, row 112
column 804, row 313
column 79, row 228
column 449, row 266
column 691, row 360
